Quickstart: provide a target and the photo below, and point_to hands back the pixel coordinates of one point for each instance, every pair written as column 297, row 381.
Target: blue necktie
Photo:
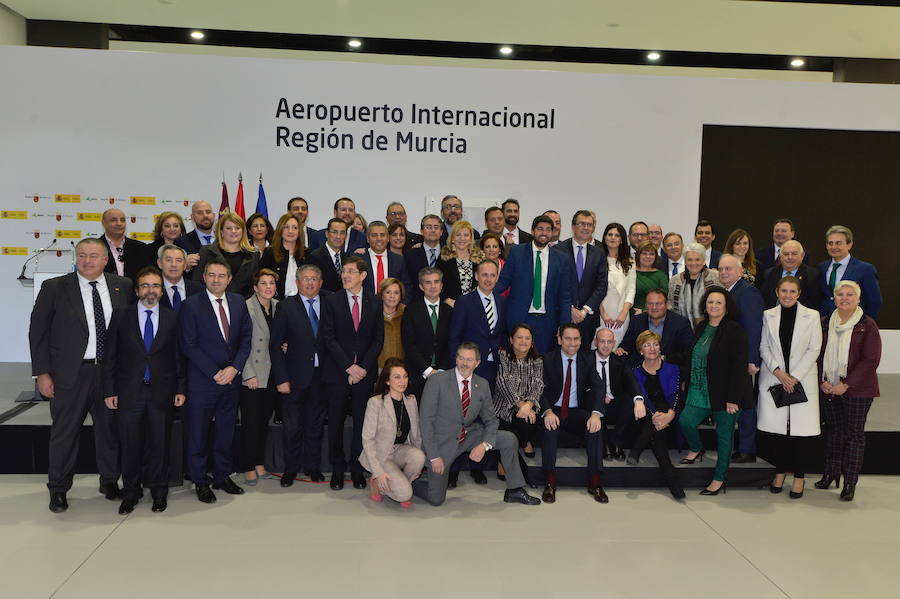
column 148, row 340
column 337, row 262
column 176, row 298
column 208, row 239
column 788, row 273
column 313, row 318
column 579, row 263
column 432, row 257
column 674, row 268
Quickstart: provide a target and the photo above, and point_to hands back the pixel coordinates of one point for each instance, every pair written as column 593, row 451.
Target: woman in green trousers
column 717, row 381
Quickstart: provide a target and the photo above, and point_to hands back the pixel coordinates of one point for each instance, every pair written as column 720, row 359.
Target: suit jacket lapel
column 116, row 294
column 74, row 291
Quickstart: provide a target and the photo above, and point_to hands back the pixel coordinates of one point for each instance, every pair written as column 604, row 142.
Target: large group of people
column 449, row 343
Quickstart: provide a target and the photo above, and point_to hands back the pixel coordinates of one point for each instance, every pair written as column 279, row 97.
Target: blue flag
column 261, row 206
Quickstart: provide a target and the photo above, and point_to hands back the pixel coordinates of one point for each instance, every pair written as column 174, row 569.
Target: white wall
column 12, row 27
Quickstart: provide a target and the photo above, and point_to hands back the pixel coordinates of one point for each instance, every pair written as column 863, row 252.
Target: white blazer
column 805, row 345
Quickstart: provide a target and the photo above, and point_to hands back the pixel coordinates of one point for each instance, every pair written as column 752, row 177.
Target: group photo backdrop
column 83, row 130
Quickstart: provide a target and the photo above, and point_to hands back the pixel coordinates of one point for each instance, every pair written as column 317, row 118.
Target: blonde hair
column 231, row 217
column 851, row 284
column 644, row 338
column 476, row 254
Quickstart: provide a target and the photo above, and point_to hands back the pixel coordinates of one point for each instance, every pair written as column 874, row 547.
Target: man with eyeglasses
column 426, row 255
column 638, row 233
column 143, row 382
column 451, row 211
column 126, row 256
column 396, row 215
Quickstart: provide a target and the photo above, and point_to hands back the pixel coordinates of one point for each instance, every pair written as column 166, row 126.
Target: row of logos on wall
column 66, row 216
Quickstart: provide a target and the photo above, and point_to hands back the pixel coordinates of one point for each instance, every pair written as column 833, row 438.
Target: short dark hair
column 469, row 345
column 786, row 221
column 568, row 325
column 339, row 200
column 586, row 213
column 215, row 260
column 731, row 310
column 637, row 222
column 428, row 217
column 492, row 209
column 357, row 260
column 264, row 272
column 656, row 290
column 542, row 219
column 296, row 199
column 551, row 211
column 486, row 261
column 448, row 197
column 335, row 220
column 704, row 223
column 381, row 387
column 147, row 270
column 509, row 201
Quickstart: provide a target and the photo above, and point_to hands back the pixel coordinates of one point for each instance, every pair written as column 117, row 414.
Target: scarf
column 837, row 350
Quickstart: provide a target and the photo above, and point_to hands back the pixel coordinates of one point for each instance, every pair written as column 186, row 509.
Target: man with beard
column 451, row 211
column 511, row 232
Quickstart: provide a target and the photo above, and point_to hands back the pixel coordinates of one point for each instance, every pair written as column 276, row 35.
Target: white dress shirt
column 169, row 287
column 573, row 389
column 437, row 305
column 215, row 306
column 511, row 236
column 87, row 298
column 384, row 261
column 483, row 297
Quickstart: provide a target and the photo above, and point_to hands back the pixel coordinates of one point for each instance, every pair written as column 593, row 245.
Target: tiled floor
column 309, row 541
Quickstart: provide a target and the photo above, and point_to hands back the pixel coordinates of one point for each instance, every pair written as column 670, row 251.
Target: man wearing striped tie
column 424, row 255
column 457, row 416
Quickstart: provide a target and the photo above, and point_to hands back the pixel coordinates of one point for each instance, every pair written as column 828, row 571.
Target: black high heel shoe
column 722, row 488
column 699, row 456
column 826, row 480
column 796, row 494
column 848, row 492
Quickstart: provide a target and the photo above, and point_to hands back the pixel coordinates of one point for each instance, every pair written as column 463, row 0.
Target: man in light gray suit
column 451, row 403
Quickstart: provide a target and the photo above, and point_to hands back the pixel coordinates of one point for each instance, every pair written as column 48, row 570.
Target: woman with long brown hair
column 286, row 253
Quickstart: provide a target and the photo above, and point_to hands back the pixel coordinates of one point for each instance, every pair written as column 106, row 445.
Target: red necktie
column 380, row 274
column 465, row 408
column 567, row 390
column 223, row 318
column 355, row 313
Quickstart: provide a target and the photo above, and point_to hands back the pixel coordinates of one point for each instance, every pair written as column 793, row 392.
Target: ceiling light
column 505, row 50
column 198, row 35
column 653, row 56
column 798, row 62
column 354, row 43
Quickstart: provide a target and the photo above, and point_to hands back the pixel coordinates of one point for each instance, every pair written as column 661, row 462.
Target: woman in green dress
column 717, row 382
column 648, row 276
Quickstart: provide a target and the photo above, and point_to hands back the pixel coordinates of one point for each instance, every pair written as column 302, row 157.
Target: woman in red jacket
column 850, row 355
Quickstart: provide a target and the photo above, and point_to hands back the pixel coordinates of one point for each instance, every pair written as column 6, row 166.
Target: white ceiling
column 698, row 25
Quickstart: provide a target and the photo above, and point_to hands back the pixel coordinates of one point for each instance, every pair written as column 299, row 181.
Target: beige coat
column 258, row 364
column 380, row 430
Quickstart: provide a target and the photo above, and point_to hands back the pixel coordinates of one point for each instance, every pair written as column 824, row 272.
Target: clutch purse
column 782, row 398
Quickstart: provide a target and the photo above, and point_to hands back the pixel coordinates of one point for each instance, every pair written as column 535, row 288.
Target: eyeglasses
column 396, row 213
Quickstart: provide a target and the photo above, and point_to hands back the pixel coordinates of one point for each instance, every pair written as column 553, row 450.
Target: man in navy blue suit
column 345, row 209
column 674, row 329
column 478, row 317
column 299, row 207
column 172, row 262
column 215, row 333
column 768, row 256
column 705, row 234
column 750, row 314
column 427, row 254
column 588, row 274
column 844, row 267
column 538, row 280
column 382, row 264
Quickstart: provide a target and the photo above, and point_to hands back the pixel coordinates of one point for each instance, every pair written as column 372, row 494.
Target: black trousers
column 343, row 397
column 68, row 409
column 647, row 435
column 620, row 411
column 256, row 410
column 576, row 424
column 303, row 413
column 145, row 430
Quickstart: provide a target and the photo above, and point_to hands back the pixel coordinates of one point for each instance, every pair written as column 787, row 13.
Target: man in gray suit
column 451, row 403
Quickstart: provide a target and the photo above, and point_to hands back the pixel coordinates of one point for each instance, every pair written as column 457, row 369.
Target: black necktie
column 603, row 377
column 99, row 320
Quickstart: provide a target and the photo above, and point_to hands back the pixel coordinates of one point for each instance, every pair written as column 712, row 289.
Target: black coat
column 135, row 254
column 291, row 325
column 342, row 343
column 726, row 366
column 416, row 259
column 241, row 280
column 281, row 267
column 587, row 384
column 190, row 288
column 420, row 341
column 810, row 287
column 321, row 257
column 591, row 290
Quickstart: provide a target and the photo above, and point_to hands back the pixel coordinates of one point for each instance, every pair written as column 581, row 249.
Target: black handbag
column 782, row 398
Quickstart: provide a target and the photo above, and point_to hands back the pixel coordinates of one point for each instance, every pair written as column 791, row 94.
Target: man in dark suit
column 844, row 267
column 396, row 215
column 299, row 207
column 791, row 262
column 329, row 256
column 352, row 331
column 172, row 262
column 345, row 209
column 588, row 275
column 126, row 256
column 479, row 317
column 214, row 334
column 671, row 260
column 425, row 332
column 571, row 402
column 511, row 233
column 543, row 303
column 427, row 254
column 493, row 221
column 451, row 211
column 618, row 391
column 638, row 233
column 674, row 329
column 768, row 256
column 705, row 234
column 380, row 263
column 67, row 338
column 296, row 374
column 144, row 381
column 204, row 219
column 457, row 417
column 749, row 304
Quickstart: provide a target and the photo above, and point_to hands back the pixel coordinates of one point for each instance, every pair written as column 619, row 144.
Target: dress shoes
column 520, row 495
column 549, row 494
column 111, row 491
column 58, row 503
column 337, row 481
column 452, row 480
column 127, row 506
column 315, row 476
column 479, row 477
column 359, row 481
column 848, row 491
column 743, row 458
column 287, row 479
column 160, row 504
column 676, row 491
column 205, row 494
column 229, row 486
column 598, row 494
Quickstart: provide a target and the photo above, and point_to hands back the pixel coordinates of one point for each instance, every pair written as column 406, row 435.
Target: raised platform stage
column 25, row 429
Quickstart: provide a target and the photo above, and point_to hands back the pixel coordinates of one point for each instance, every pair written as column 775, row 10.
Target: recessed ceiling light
column 653, row 55
column 354, row 43
column 198, row 35
column 505, row 50
column 798, row 62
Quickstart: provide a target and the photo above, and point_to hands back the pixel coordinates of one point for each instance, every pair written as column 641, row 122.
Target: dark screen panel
column 750, row 176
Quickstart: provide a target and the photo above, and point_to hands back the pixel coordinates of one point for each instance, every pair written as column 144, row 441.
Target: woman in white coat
column 791, row 340
column 615, row 309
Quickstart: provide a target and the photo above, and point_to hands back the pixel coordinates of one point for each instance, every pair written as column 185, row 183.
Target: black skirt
column 791, row 454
